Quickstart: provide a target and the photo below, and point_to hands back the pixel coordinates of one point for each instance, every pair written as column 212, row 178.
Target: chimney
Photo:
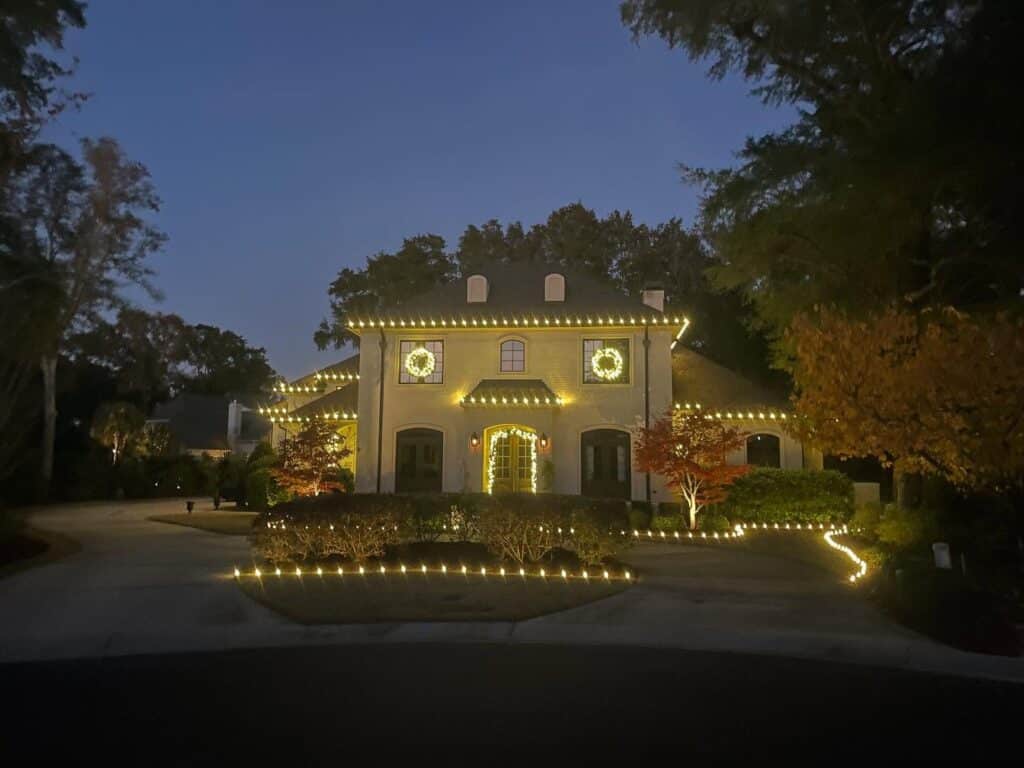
column 476, row 289
column 654, row 297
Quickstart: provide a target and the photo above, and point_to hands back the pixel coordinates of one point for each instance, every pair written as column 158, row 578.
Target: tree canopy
column 895, row 182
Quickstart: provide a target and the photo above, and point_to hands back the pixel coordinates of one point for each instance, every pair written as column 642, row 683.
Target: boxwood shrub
column 789, row 496
column 517, row 527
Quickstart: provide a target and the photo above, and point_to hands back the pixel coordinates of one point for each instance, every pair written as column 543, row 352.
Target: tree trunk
column 48, row 364
column 693, row 517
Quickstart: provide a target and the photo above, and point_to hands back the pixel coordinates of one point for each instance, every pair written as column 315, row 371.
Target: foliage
column 715, row 522
column 903, row 528
column 117, row 425
column 865, row 520
column 156, row 440
column 689, row 450
column 937, row 393
column 668, row 523
column 522, row 528
column 354, row 526
column 309, row 460
column 595, row 527
column 640, row 514
column 262, row 490
column 790, row 496
column 890, row 128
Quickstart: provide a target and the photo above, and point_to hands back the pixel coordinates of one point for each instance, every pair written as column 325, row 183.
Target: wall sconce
column 544, row 440
column 474, row 440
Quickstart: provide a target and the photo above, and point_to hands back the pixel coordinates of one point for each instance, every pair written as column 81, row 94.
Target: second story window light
column 513, row 356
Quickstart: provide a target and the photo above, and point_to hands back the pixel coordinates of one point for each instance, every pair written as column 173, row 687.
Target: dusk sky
column 290, row 139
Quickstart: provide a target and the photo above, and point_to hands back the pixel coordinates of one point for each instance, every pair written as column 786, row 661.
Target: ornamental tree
column 309, row 461
column 689, row 449
column 115, row 425
column 937, row 392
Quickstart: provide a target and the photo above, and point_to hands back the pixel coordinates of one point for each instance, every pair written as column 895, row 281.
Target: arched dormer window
column 513, row 356
column 554, row 287
column 476, row 289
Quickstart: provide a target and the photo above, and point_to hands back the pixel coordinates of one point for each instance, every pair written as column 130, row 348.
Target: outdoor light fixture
column 474, row 440
column 543, row 440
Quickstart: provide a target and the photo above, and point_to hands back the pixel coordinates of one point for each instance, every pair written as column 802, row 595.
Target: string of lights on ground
column 828, row 534
column 509, row 575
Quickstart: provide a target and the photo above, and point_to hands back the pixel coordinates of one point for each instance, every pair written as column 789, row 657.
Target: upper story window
column 513, row 356
column 554, row 287
column 421, row 362
column 476, row 289
column 606, row 361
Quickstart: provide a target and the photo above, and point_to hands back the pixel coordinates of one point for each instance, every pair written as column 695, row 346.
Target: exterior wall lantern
column 474, row 440
column 544, row 442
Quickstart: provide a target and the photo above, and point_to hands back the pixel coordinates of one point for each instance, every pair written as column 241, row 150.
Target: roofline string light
column 326, row 416
column 738, row 414
column 525, row 321
column 524, row 401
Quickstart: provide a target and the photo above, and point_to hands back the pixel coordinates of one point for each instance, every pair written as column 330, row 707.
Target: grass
column 351, row 599
column 227, row 523
column 32, row 547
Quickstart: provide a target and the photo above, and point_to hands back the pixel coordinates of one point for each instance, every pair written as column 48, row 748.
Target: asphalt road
column 329, row 705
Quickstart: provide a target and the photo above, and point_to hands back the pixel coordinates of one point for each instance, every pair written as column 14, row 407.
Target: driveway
column 143, row 587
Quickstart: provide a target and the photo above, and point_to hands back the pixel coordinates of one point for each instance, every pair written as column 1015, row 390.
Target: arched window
column 513, row 356
column 554, row 287
column 476, row 289
column 763, row 451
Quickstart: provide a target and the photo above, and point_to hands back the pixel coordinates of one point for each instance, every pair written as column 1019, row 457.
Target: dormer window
column 554, row 287
column 476, row 289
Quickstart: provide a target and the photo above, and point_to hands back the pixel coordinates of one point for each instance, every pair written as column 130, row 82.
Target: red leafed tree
column 309, row 461
column 689, row 449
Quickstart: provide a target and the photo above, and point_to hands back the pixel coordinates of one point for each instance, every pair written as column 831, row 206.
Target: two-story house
column 523, row 378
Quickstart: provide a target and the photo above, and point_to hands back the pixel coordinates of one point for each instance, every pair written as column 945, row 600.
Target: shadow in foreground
column 328, row 704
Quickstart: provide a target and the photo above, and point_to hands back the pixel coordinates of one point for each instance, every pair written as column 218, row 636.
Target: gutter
column 380, row 410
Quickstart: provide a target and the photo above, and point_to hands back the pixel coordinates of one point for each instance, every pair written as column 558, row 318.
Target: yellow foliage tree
column 939, row 392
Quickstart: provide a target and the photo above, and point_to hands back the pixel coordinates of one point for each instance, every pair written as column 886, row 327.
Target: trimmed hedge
column 517, row 527
column 789, row 496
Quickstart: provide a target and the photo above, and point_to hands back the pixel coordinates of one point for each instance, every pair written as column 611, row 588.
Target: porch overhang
column 504, row 393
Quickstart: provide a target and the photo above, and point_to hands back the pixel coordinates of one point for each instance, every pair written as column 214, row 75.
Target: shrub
column 356, row 526
column 789, row 496
column 713, row 521
column 866, row 518
column 640, row 514
column 903, row 528
column 521, row 527
column 595, row 527
column 668, row 523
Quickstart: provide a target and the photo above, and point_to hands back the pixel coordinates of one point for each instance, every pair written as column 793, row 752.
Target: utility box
column 943, row 561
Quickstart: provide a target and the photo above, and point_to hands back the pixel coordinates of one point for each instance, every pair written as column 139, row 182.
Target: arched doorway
column 510, row 459
column 418, row 456
column 763, row 451
column 604, row 464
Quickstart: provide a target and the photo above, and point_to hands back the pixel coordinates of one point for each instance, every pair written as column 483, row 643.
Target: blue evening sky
column 289, row 139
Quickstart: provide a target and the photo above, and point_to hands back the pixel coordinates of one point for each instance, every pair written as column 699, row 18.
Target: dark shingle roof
column 696, row 379
column 197, row 421
column 343, row 401
column 518, row 290
column 517, row 392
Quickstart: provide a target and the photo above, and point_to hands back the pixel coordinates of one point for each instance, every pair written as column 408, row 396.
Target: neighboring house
column 212, row 424
column 523, row 378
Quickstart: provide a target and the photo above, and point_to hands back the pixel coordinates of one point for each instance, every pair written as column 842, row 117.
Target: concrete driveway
column 143, row 587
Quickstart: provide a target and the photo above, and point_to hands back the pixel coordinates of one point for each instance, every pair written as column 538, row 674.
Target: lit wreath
column 607, row 363
column 419, row 363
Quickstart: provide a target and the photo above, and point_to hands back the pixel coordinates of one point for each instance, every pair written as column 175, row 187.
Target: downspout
column 380, row 409
column 647, row 400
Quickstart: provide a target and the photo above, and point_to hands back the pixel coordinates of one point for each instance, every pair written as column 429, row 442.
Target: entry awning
column 522, row 393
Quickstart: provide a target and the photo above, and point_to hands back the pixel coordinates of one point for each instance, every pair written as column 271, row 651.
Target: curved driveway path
column 143, row 587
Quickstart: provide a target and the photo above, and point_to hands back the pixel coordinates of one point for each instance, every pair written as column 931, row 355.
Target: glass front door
column 511, row 461
column 605, row 464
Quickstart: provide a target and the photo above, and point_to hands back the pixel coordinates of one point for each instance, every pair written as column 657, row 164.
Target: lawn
column 28, row 547
column 227, row 523
column 352, row 599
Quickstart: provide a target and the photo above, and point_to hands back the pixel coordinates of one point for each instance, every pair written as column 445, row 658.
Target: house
column 523, row 378
column 212, row 424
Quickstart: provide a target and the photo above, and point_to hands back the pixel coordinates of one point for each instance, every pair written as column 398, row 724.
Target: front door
column 511, row 463
column 418, row 460
column 605, row 464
